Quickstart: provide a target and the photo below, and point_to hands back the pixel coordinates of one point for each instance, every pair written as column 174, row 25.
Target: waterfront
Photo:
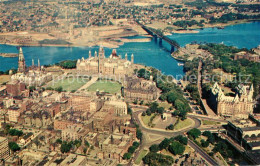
column 147, row 53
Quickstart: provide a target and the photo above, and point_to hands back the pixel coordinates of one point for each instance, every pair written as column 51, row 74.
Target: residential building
column 4, row 150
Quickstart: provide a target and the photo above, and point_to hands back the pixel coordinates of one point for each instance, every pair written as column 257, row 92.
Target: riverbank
column 115, row 43
column 9, row 55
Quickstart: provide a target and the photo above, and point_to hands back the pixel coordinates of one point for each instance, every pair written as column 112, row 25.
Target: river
column 147, row 53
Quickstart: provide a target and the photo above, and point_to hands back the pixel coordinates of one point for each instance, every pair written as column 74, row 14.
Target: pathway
column 92, row 81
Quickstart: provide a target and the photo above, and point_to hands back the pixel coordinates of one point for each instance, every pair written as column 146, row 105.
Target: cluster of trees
column 170, row 91
column 130, row 151
column 68, row 64
column 231, row 17
column 156, row 159
column 7, row 72
column 58, row 89
column 223, row 149
column 194, row 92
column 143, row 73
column 67, row 146
column 242, row 67
column 194, row 133
column 139, row 133
column 15, row 132
column 185, row 24
column 153, row 108
column 175, row 145
column 182, row 114
column 13, row 146
column 210, row 139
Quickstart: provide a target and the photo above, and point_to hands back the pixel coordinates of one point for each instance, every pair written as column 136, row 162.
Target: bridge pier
column 155, row 38
column 160, row 41
column 172, row 49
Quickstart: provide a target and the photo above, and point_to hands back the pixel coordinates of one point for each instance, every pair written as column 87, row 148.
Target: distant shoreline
column 115, row 44
column 9, row 55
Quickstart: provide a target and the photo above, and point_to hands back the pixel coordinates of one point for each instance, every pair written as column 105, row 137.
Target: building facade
column 99, row 64
column 140, row 89
column 4, row 150
column 239, row 106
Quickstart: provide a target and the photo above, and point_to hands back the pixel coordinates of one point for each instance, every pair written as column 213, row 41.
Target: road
column 203, row 154
column 165, row 134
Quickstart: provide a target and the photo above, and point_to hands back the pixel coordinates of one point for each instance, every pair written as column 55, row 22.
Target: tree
column 59, row 141
column 86, row 143
column 59, row 89
column 155, row 159
column 142, row 73
column 127, row 156
column 204, row 143
column 131, row 149
column 13, row 146
column 164, row 144
column 136, row 144
column 15, row 132
column 176, row 148
column 194, row 133
column 154, row 148
column 139, row 134
column 65, row 147
column 170, row 127
column 183, row 140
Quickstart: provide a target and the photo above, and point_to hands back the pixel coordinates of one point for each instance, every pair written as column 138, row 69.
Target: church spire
column 20, row 55
column 132, row 58
column 32, row 62
column 89, row 54
column 21, row 61
column 39, row 65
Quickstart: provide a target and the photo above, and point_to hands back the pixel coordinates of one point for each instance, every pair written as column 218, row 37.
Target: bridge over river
column 158, row 34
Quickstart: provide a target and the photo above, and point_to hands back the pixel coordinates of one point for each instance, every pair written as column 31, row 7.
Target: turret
column 32, row 62
column 89, row 54
column 20, row 55
column 125, row 56
column 95, row 54
column 132, row 58
column 39, row 65
column 21, row 61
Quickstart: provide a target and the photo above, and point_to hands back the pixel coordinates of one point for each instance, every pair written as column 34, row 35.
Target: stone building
column 115, row 146
column 248, row 56
column 32, row 76
column 140, row 89
column 4, row 150
column 239, row 106
column 99, row 64
column 15, row 88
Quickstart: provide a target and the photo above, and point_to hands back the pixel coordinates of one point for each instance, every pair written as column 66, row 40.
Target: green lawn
column 165, row 105
column 209, row 122
column 141, row 156
column 146, row 119
column 68, row 83
column 106, row 86
column 182, row 124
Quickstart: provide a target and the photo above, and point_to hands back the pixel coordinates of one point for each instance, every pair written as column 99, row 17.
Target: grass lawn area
column 165, row 105
column 224, row 76
column 68, row 83
column 141, row 156
column 146, row 119
column 106, row 86
column 4, row 78
column 209, row 122
column 182, row 124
